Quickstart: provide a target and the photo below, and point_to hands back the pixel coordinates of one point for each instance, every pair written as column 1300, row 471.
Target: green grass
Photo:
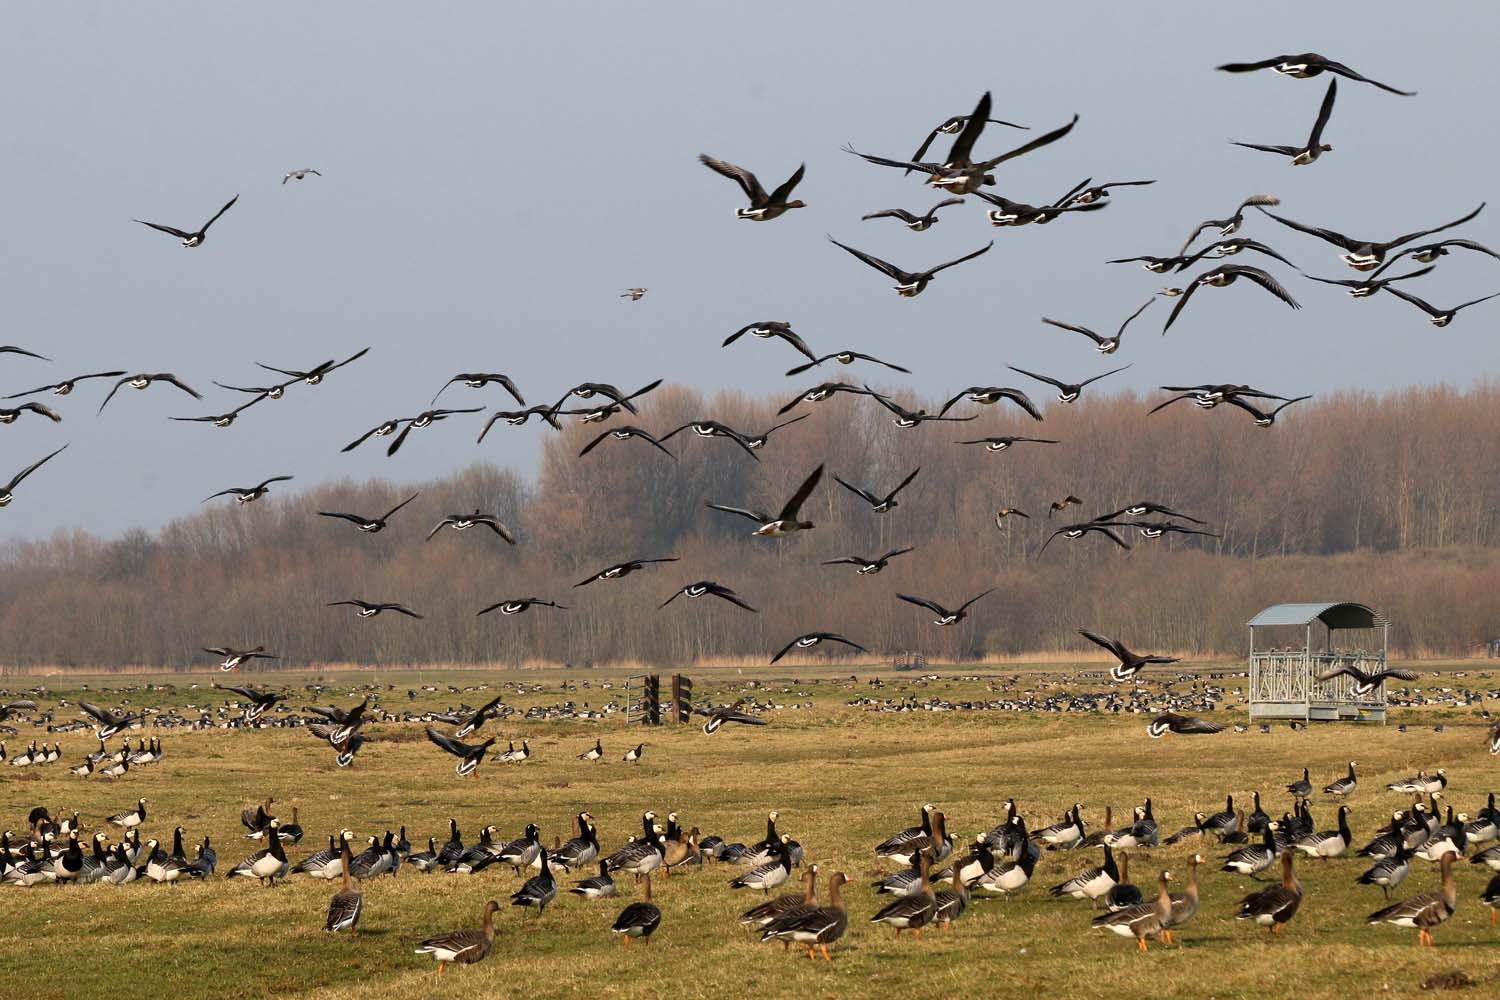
column 842, row 778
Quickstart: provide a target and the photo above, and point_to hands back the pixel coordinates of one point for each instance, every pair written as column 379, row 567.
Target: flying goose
column 1184, row 725
column 816, row 394
column 766, row 329
column 1365, row 683
column 906, row 419
column 222, row 419
column 424, row 419
column 369, row 525
column 9, row 416
column 846, row 357
column 1130, row 663
column 1228, row 248
column 8, row 491
column 727, row 713
column 1423, row 911
column 758, row 441
column 65, row 387
column 988, row 395
column 867, row 566
column 1076, row 531
column 786, row 521
column 879, row 505
column 248, row 494
column 1367, row 255
column 518, row 417
column 1362, row 288
column 624, row 569
column 604, row 412
column 964, row 124
column 233, row 658
column 469, row 755
column 369, row 609
column 1231, row 225
column 626, row 432
column 143, row 380
column 1002, row 442
column 297, row 175
column 12, row 349
column 916, row 223
column 1315, row 147
column 463, row 522
column 107, row 723
column 1438, row 317
column 763, row 207
column 810, row 639
column 383, row 429
column 709, row 588
column 959, row 174
column 1306, row 65
column 1067, row 392
column 1008, row 213
column 193, row 239
column 478, row 380
column 909, row 284
column 1430, row 252
column 518, row 605
column 1104, row 345
column 269, row 391
column 639, row 919
column 1086, row 194
column 1156, row 265
column 1227, row 274
column 467, row 946
column 712, row 428
column 315, row 375
column 944, row 616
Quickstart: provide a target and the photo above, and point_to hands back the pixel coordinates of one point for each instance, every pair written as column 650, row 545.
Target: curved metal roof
column 1336, row 615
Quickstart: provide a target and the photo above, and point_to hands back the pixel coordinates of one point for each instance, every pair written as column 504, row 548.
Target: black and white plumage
column 909, row 284
column 1183, row 725
column 248, row 494
column 780, row 329
column 518, row 417
column 867, row 566
column 232, row 659
column 369, row 525
column 601, row 886
column 193, row 239
column 106, row 722
column 763, row 207
column 988, row 395
column 817, row 394
column 424, row 419
column 1091, row 883
column 916, row 223
column 539, row 890
column 519, row 605
column 713, row 428
column 1104, row 345
column 1315, row 146
column 944, row 615
column 1130, row 663
column 470, row 755
column 1255, row 858
column 967, row 126
column 267, row 865
column 1226, row 227
column 1362, row 254
column 144, row 379
column 316, row 374
column 1067, row 392
column 1307, row 65
column 1079, row 530
column 8, row 491
column 64, row 387
column 906, row 419
column 846, row 357
column 641, row 918
column 787, row 520
column 879, row 504
column 369, row 609
column 1388, row 872
column 222, row 419
column 1327, row 843
column 1228, row 274
column 478, row 380
column 12, row 414
column 463, row 522
column 711, row 589
column 1344, row 786
column 810, row 639
column 626, row 432
column 728, row 713
column 1436, row 316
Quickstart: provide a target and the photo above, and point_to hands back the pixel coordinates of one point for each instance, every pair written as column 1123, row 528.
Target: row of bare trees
column 1392, row 499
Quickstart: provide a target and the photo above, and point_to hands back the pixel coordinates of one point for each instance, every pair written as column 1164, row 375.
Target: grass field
column 842, row 778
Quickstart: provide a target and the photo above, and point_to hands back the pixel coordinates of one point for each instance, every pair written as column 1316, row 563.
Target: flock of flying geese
column 1000, row 862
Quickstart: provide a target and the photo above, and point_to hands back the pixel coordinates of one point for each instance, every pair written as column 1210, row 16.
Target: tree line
column 1390, row 499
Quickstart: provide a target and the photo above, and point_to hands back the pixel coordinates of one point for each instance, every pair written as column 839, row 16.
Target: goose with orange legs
column 1426, row 910
column 1184, row 904
column 818, row 927
column 639, row 919
column 773, row 912
column 1273, row 906
column 911, row 913
column 467, row 946
column 949, row 904
column 1144, row 920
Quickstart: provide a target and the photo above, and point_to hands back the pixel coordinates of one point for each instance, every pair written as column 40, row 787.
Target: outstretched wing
column 968, row 256
column 448, row 743
column 227, row 206
column 884, row 267
column 744, row 178
column 803, row 492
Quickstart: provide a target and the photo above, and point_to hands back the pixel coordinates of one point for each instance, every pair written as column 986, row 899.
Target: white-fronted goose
column 348, row 903
column 1143, row 920
column 639, row 919
column 1423, row 911
column 1273, row 906
column 466, row 946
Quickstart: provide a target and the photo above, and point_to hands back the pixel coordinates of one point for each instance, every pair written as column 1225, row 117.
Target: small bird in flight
column 297, row 175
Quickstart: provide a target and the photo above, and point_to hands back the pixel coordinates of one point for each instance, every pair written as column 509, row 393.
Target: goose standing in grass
column 1491, row 898
column 1388, row 872
column 582, row 849
column 597, row 887
column 640, row 857
column 1302, row 787
column 769, row 875
column 132, row 817
column 634, row 754
column 1004, row 877
column 1063, row 835
column 267, row 865
column 1092, row 883
column 1328, row 843
column 816, row 927
column 911, row 913
column 1184, row 904
column 1144, row 920
column 539, row 890
column 162, row 867
column 425, row 861
column 1426, row 910
column 1123, row 894
column 327, row 863
column 901, row 844
column 453, row 849
column 639, row 919
column 906, row 882
column 466, row 946
column 765, row 914
column 1450, row 838
column 949, row 904
column 1256, row 858
column 1274, row 905
column 596, row 752
column 348, row 903
column 1344, row 786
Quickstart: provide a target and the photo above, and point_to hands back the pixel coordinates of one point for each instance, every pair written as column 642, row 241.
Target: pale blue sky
column 494, row 175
